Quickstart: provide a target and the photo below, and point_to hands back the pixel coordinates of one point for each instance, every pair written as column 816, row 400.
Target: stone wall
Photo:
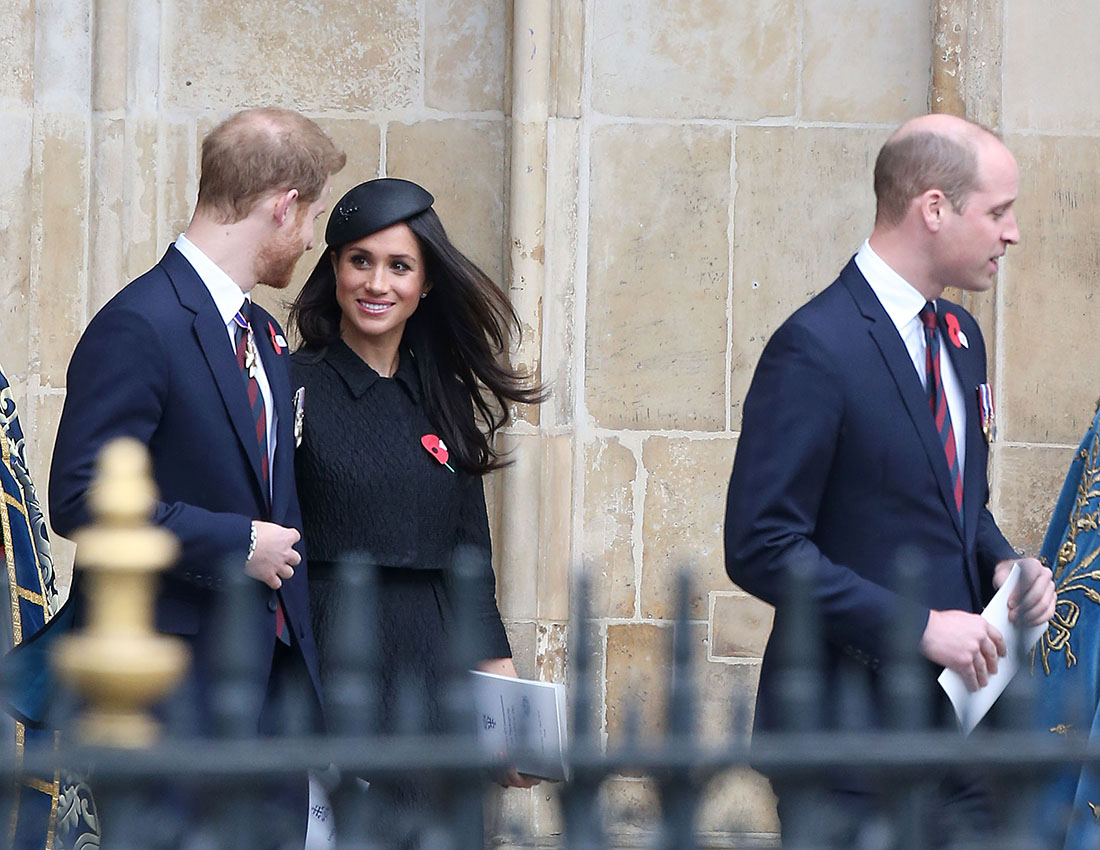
column 700, row 168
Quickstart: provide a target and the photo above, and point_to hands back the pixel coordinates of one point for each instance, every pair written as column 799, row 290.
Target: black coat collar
column 360, row 377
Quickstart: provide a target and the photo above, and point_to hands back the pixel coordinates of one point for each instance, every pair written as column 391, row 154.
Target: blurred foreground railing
column 230, row 771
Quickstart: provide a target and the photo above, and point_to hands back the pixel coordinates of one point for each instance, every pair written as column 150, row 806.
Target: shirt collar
column 360, row 377
column 226, row 293
column 899, row 299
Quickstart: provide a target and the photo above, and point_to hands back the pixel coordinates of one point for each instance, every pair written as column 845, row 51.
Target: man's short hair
column 259, row 151
column 911, row 164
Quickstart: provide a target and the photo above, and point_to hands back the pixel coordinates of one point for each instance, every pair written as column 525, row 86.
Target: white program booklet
column 970, row 708
column 525, row 720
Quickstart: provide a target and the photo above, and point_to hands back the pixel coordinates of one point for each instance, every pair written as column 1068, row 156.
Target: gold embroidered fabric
column 1069, row 689
column 1075, row 579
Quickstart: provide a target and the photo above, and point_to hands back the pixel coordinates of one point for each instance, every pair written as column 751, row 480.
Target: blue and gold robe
column 1067, row 657
column 47, row 813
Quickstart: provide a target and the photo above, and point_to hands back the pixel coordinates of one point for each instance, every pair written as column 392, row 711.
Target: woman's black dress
column 368, row 488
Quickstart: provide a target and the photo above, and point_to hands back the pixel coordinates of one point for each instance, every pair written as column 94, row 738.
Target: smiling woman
column 379, row 284
column 406, row 381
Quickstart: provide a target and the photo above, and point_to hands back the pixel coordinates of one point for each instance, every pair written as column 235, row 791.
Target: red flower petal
column 435, row 445
column 953, row 329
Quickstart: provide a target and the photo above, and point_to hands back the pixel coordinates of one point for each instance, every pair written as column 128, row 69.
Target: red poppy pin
column 278, row 341
column 954, row 332
column 437, row 449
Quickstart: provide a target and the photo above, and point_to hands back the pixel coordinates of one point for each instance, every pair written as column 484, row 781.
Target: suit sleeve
column 992, row 548
column 117, row 383
column 474, row 543
column 793, row 418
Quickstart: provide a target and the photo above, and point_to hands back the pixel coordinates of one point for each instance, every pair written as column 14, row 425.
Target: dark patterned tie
column 248, row 360
column 937, row 400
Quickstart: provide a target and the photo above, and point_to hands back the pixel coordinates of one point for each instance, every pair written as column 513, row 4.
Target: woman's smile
column 375, row 307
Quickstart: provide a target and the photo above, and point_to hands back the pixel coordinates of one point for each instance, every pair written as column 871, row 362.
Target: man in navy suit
column 864, row 446
column 183, row 361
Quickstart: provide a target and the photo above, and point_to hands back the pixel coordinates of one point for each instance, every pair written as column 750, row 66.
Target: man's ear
column 284, row 203
column 933, row 205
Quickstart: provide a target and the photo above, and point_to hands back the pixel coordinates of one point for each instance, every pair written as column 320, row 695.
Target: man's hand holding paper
column 970, row 644
column 1018, row 611
column 964, row 643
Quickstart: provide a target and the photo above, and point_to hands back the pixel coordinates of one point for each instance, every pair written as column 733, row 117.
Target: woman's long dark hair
column 459, row 337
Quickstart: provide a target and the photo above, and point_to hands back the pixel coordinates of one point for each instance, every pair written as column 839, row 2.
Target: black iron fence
column 224, row 780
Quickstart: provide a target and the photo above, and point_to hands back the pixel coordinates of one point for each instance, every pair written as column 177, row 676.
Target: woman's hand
column 515, row 779
column 499, row 666
column 506, row 667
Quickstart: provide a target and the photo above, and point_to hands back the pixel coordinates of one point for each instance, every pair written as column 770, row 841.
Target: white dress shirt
column 902, row 304
column 228, row 297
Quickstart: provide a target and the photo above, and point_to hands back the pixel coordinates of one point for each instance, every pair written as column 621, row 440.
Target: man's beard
column 276, row 262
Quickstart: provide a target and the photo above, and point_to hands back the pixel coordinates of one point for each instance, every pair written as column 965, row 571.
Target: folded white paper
column 970, row 708
column 320, row 827
column 524, row 720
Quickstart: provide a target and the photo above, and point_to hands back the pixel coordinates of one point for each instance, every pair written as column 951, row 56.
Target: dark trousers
column 291, row 705
column 955, row 808
column 291, row 708
column 176, row 815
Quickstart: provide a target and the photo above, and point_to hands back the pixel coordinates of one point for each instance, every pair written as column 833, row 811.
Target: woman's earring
column 423, row 295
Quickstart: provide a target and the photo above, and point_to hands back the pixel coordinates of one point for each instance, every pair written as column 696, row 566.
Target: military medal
column 299, row 414
column 988, row 412
column 251, row 360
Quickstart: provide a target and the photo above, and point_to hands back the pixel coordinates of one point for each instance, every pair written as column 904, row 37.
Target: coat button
column 272, row 604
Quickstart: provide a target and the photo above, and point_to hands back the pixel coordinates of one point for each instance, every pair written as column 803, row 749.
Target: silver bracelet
column 251, row 540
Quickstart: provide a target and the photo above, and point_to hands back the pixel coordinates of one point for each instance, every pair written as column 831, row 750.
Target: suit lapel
column 275, row 367
column 967, row 367
column 213, row 339
column 913, row 396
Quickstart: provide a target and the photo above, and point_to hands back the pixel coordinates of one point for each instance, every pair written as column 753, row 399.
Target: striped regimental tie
column 937, row 400
column 248, row 361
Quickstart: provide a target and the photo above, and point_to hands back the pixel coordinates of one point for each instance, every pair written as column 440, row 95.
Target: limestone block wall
column 1047, row 350
column 657, row 184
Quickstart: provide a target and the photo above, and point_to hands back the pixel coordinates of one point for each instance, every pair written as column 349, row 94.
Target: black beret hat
column 374, row 206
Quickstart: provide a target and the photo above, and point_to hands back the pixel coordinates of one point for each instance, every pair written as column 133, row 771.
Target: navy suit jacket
column 156, row 363
column 840, row 469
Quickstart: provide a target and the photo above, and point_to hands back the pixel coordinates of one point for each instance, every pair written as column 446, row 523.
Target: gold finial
column 118, row 663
